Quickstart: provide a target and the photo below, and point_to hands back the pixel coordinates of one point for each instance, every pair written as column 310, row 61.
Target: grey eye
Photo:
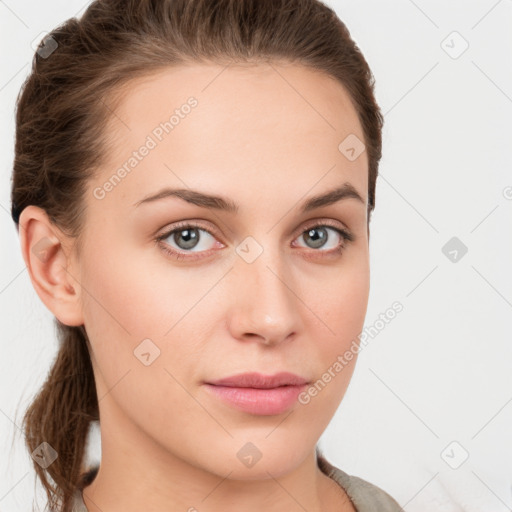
column 317, row 236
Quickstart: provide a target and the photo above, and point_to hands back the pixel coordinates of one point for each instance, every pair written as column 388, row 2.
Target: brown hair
column 62, row 114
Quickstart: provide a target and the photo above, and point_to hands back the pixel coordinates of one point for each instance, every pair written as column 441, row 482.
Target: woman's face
column 261, row 286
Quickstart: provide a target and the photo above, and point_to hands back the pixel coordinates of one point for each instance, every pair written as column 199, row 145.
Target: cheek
column 137, row 308
column 129, row 291
column 341, row 303
column 128, row 311
column 342, row 307
column 351, row 303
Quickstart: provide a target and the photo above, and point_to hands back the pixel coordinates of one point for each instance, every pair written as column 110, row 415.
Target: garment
column 365, row 496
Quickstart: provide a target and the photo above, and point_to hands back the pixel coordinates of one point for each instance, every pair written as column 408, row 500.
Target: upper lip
column 259, row 380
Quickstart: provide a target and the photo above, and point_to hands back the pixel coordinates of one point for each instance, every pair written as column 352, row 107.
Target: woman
column 193, row 184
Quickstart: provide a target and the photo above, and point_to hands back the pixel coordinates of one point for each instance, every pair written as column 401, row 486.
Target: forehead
column 266, row 123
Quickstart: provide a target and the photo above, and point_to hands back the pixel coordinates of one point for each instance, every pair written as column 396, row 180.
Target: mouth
column 258, row 394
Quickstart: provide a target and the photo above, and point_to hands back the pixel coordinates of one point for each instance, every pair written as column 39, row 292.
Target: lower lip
column 258, row 401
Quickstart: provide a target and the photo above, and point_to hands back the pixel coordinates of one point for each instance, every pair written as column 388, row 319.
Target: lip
column 260, row 394
column 260, row 380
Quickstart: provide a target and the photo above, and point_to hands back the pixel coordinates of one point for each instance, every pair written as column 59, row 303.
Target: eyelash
column 345, row 235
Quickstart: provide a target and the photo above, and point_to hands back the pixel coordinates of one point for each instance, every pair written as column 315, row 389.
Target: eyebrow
column 210, row 201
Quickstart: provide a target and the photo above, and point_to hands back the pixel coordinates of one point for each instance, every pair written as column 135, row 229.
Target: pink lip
column 256, row 393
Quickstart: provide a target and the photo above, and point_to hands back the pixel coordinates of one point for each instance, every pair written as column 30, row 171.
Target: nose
column 265, row 306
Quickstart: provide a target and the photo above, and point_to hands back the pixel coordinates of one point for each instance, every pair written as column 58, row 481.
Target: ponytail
column 60, row 415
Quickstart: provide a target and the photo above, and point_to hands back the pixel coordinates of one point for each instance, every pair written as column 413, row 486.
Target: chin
column 260, row 460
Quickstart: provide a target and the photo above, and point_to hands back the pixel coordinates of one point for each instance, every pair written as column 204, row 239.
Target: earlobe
column 49, row 264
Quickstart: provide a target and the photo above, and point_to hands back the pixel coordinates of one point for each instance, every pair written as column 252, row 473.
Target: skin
column 266, row 138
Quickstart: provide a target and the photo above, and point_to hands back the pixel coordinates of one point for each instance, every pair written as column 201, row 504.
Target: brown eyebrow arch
column 210, row 201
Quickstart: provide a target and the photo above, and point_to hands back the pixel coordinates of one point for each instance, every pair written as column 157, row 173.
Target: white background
column 441, row 370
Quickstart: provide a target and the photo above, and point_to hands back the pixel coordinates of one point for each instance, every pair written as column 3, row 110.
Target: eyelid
column 165, row 232
column 313, row 223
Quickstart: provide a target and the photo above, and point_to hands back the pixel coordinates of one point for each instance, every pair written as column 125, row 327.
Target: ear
column 48, row 257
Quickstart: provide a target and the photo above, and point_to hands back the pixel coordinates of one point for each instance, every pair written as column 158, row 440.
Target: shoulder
column 364, row 495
